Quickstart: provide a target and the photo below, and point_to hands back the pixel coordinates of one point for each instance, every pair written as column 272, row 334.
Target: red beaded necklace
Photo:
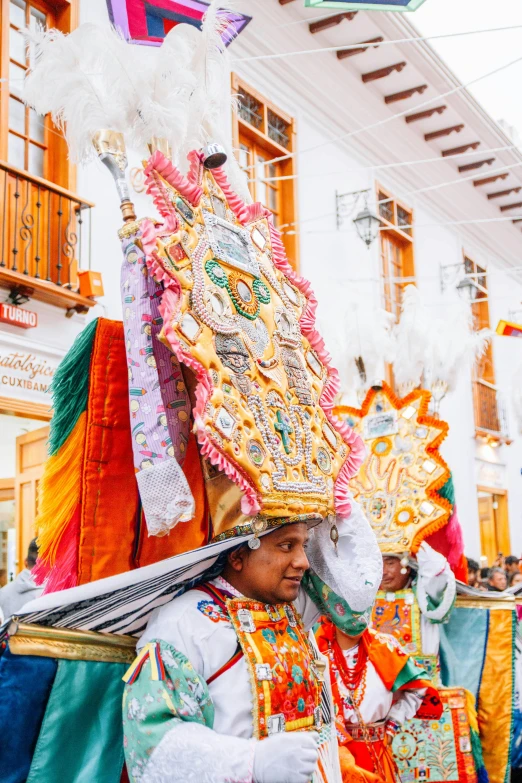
column 350, row 675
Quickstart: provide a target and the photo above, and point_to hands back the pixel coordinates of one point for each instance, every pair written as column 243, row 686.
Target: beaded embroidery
column 398, row 482
column 236, row 312
column 400, row 618
column 286, row 689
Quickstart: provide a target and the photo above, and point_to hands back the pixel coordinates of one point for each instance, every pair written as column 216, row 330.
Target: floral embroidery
column 212, row 611
column 294, row 690
column 297, row 674
column 152, row 707
column 269, row 636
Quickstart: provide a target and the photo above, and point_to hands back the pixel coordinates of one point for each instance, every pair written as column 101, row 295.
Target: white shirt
column 378, row 703
column 209, row 644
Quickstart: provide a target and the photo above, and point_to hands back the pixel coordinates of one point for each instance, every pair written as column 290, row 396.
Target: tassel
column 64, row 573
column 59, row 492
column 70, row 388
column 476, row 745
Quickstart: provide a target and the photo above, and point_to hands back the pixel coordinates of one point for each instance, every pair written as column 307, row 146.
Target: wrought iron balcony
column 490, row 412
column 45, row 239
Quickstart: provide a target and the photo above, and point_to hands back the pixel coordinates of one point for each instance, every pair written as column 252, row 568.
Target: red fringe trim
column 64, row 571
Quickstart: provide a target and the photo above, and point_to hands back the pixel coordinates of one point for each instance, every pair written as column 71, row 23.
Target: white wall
column 10, row 428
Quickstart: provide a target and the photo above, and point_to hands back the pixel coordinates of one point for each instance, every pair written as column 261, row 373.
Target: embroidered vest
column 398, row 614
column 285, row 674
column 286, row 685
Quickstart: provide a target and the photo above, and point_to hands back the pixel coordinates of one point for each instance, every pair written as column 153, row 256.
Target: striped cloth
column 122, row 604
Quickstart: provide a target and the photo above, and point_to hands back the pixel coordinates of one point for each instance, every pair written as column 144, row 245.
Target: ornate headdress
column 399, row 483
column 211, row 282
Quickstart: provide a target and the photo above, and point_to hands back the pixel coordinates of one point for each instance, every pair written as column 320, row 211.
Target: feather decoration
column 454, row 344
column 211, row 102
column 412, row 338
column 433, row 350
column 370, row 345
column 164, row 105
column 88, row 81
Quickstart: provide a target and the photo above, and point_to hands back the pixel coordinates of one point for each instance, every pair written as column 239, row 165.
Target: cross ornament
column 283, row 427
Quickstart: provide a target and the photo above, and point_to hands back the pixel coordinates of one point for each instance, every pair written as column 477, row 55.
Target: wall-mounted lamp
column 366, row 223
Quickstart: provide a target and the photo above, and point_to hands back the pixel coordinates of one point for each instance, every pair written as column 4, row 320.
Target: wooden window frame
column 403, row 239
column 25, row 409
column 287, row 188
column 65, row 18
column 482, row 318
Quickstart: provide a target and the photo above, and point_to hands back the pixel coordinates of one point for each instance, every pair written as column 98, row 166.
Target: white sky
column 471, row 56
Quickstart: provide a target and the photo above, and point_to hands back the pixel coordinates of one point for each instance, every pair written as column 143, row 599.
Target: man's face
column 512, row 568
column 392, row 579
column 273, row 573
column 498, row 580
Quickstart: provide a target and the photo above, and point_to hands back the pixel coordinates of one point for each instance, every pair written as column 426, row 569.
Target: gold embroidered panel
column 235, row 313
column 399, row 479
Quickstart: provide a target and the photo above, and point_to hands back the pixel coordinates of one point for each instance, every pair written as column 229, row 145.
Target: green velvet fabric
column 81, row 738
column 408, row 673
column 336, row 608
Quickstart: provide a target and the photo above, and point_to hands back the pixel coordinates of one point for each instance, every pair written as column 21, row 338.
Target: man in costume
column 238, row 669
column 415, row 596
column 376, row 688
column 405, row 488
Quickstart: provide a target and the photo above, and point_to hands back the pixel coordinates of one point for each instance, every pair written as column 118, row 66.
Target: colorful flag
column 147, row 22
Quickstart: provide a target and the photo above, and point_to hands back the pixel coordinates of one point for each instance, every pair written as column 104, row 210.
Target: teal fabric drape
column 463, row 643
column 81, row 738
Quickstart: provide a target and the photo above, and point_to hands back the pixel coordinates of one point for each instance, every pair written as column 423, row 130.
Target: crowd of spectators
column 505, row 573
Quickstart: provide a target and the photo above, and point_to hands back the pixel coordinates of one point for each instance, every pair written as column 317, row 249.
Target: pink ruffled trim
column 250, row 502
column 246, row 214
column 186, row 186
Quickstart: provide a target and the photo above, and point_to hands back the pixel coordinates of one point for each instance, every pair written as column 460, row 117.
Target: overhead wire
column 397, row 164
column 348, row 47
column 385, row 120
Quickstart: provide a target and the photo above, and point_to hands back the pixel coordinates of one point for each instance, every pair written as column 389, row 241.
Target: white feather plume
column 83, row 81
column 434, row 348
column 211, row 102
column 370, row 344
column 170, row 85
column 412, row 339
column 454, row 344
column 92, row 79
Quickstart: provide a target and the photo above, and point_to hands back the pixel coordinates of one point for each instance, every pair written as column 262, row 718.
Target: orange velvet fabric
column 351, row 772
column 375, row 756
column 113, row 535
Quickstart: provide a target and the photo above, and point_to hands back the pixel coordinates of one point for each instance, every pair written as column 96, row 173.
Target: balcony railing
column 44, row 238
column 490, row 412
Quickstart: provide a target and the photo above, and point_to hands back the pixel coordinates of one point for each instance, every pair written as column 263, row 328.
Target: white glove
column 286, row 758
column 431, row 563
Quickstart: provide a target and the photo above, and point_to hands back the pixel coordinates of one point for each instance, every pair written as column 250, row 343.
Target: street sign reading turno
column 364, row 5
